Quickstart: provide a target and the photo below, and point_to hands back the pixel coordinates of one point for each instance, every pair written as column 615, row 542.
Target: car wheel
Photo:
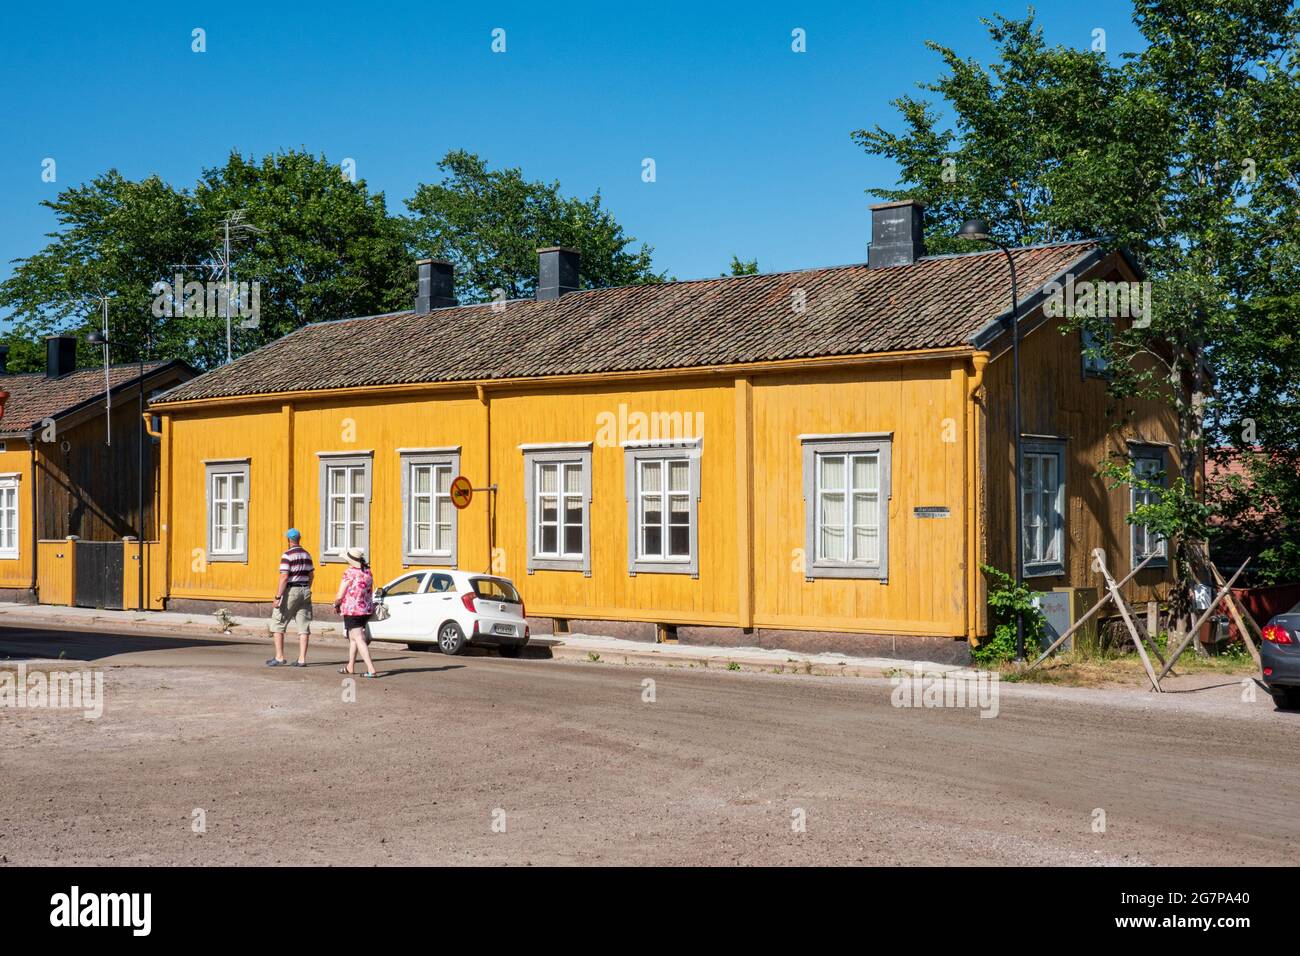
column 510, row 650
column 451, row 639
column 1286, row 698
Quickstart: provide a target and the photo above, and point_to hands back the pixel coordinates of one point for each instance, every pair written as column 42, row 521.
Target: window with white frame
column 227, row 499
column 8, row 516
column 557, row 497
column 1043, row 507
column 1148, row 466
column 429, row 524
column 846, row 488
column 663, row 492
column 345, row 504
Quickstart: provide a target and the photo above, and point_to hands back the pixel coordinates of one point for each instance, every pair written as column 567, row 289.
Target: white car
column 452, row 609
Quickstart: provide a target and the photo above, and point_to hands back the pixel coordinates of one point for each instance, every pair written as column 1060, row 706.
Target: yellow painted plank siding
column 920, row 403
column 16, row 572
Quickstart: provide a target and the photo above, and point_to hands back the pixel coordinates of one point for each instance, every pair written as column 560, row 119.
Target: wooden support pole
column 1128, row 620
column 1201, row 620
column 1237, row 617
column 1083, row 618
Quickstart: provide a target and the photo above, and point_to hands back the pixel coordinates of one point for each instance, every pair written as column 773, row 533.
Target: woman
column 356, row 603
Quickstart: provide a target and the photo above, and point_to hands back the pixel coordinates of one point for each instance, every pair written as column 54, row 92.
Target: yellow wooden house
column 806, row 459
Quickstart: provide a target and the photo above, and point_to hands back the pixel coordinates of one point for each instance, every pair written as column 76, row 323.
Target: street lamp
column 978, row 231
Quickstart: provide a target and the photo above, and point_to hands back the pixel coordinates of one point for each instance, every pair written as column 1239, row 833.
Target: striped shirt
column 296, row 563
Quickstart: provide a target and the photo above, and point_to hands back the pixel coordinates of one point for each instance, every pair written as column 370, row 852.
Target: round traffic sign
column 461, row 492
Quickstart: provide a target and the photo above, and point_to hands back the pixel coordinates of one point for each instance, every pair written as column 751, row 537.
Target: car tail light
column 1277, row 634
column 1268, row 672
column 467, row 599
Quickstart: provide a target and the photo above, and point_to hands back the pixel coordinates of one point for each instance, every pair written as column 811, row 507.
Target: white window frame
column 1151, row 455
column 816, row 447
column 573, row 455
column 330, row 461
column 10, row 517
column 227, row 469
column 1041, row 450
column 634, row 455
column 434, row 458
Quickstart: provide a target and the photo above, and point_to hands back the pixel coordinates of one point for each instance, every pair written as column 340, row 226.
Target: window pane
column 573, row 539
column 866, row 472
column 237, row 486
column 652, row 541
column 573, row 511
column 650, row 477
column 336, row 510
column 831, row 523
column 358, row 480
column 444, row 479
column 550, row 535
column 547, row 481
column 679, row 509
column 832, row 472
column 679, row 476
column 651, row 510
column 423, row 537
column 337, row 480
column 422, row 479
column 358, row 511
column 422, row 509
column 866, row 545
column 679, row 541
column 549, row 510
column 572, row 479
column 445, row 511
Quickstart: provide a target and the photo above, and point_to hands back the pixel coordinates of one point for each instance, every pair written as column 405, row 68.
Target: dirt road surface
column 481, row 760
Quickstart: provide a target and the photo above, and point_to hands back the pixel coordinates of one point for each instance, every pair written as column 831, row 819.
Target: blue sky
column 750, row 140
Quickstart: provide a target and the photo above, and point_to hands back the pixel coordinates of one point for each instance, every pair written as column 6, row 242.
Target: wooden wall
column 1057, row 399
column 750, row 508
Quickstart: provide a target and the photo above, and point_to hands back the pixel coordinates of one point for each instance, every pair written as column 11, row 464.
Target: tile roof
column 936, row 302
column 33, row 396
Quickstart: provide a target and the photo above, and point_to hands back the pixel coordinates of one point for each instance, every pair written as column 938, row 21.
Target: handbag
column 380, row 612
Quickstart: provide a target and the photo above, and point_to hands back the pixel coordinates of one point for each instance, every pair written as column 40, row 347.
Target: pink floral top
column 358, row 588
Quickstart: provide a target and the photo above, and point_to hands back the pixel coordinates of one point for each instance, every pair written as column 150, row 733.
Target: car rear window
column 494, row 589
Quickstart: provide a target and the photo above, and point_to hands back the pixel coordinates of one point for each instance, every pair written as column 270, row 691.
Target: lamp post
column 978, row 231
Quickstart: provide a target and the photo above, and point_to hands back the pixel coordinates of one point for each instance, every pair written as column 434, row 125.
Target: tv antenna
column 221, row 267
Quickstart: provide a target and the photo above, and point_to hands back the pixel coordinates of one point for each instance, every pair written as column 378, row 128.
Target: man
column 292, row 599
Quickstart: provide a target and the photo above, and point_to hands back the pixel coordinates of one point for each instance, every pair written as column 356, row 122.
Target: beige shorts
column 296, row 607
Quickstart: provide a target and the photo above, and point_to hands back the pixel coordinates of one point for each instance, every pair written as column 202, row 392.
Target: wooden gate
column 98, row 574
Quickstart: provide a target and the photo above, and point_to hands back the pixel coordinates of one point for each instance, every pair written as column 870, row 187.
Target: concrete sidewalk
column 588, row 647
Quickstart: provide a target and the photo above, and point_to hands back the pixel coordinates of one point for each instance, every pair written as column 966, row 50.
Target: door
column 403, row 610
column 98, row 574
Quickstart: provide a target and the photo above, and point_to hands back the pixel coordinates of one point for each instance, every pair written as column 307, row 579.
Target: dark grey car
column 1280, row 657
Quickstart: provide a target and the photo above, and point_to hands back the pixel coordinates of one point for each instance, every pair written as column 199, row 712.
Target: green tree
column 490, row 223
column 323, row 248
column 114, row 238
column 742, row 267
column 1052, row 143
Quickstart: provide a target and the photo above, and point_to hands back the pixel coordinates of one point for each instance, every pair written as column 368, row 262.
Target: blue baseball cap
column 293, row 533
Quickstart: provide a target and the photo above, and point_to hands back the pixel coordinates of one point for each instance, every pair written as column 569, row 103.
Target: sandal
column 344, row 670
column 276, row 662
column 370, row 674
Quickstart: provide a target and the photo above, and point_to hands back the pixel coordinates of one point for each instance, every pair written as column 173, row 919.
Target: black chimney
column 557, row 272
column 897, row 234
column 434, row 285
column 60, row 355
column 4, row 360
